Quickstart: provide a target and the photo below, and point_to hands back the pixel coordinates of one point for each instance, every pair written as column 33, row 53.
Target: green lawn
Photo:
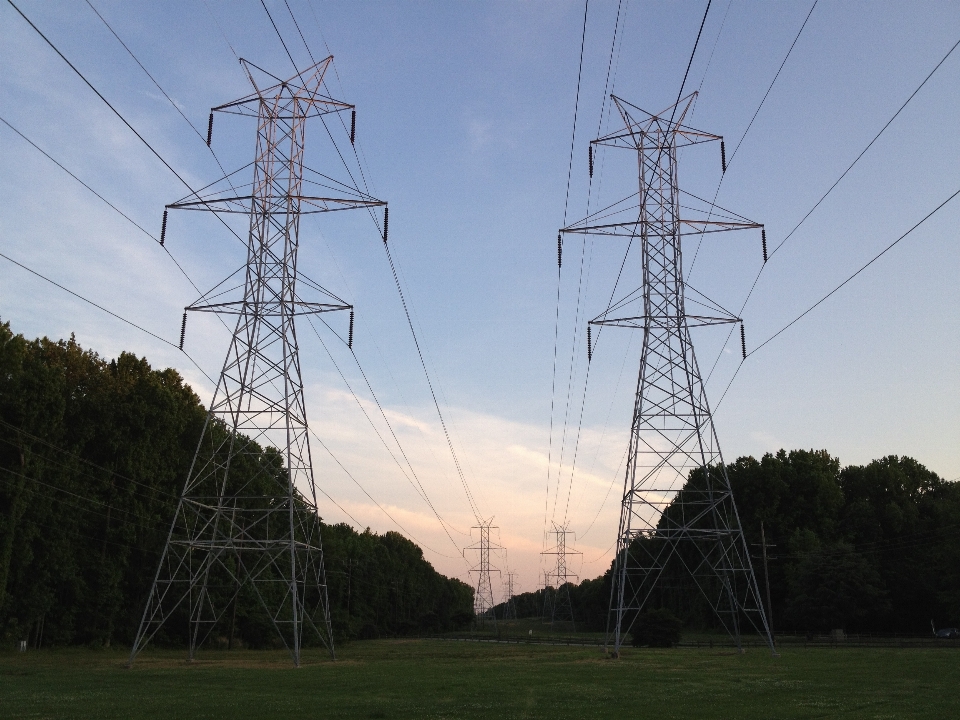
column 444, row 679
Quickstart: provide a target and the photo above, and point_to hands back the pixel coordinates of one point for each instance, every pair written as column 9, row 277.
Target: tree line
column 871, row 547
column 93, row 457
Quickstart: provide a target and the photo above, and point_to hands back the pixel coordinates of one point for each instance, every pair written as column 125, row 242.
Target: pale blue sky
column 464, row 118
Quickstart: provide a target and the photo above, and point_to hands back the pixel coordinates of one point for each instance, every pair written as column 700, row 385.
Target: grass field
column 445, row 679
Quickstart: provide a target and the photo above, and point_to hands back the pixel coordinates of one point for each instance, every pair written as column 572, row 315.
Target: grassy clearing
column 444, row 679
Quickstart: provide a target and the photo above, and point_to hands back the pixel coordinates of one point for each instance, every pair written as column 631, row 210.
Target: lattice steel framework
column 509, row 606
column 697, row 531
column 247, row 522
column 483, row 602
column 556, row 582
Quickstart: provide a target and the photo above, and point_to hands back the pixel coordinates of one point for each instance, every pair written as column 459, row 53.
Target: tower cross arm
column 652, row 140
column 241, row 203
column 684, row 227
column 639, row 322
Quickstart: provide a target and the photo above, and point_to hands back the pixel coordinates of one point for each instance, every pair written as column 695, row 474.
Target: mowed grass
column 446, row 679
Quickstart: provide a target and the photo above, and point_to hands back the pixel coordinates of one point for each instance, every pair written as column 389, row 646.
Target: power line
column 834, row 290
column 576, row 327
column 817, row 204
column 860, row 270
column 157, row 84
column 59, row 449
column 136, row 60
column 566, row 205
column 418, row 487
column 443, row 424
column 696, row 253
column 346, row 166
column 297, row 25
column 59, row 165
column 101, row 307
column 690, row 62
column 122, row 118
column 285, row 48
column 101, row 197
column 403, row 300
column 100, row 95
column 364, row 490
column 772, row 83
column 604, row 113
column 869, row 145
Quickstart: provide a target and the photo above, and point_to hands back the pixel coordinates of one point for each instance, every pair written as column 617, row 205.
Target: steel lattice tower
column 695, row 532
column 483, row 602
column 509, row 606
column 247, row 518
column 558, row 579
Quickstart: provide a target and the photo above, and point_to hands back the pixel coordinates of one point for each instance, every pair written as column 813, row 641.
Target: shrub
column 656, row 628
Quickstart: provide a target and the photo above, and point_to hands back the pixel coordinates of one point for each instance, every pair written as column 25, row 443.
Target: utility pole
column 247, row 516
column 483, row 602
column 672, row 435
column 558, row 580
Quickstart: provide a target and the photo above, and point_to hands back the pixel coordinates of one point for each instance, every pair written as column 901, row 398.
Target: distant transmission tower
column 556, row 588
column 697, row 531
column 247, row 519
column 483, row 602
column 509, row 606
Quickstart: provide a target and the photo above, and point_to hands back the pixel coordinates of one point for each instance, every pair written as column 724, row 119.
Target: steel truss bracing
column 558, row 604
column 483, row 602
column 246, row 528
column 509, row 606
column 670, row 537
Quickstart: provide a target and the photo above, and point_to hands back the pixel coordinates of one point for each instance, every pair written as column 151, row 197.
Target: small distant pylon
column 558, row 604
column 483, row 603
column 509, row 606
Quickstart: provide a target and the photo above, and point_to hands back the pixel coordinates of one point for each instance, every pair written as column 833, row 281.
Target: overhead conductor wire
column 749, row 125
column 604, row 113
column 556, row 327
column 463, row 480
column 818, row 203
column 139, row 136
column 672, row 115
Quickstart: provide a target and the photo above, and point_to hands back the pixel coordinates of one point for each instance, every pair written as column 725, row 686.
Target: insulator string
column 386, row 223
column 183, row 329
column 743, row 341
column 589, row 344
column 350, row 333
column 590, row 154
column 723, row 155
column 763, row 235
column 163, row 228
column 353, row 126
column 559, row 250
column 210, row 128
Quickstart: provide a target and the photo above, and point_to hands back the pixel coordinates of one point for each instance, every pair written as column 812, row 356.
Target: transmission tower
column 695, row 532
column 509, row 606
column 483, row 602
column 556, row 582
column 246, row 525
